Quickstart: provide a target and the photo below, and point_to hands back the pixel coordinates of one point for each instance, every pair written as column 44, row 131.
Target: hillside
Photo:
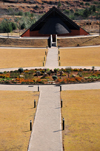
column 41, row 6
column 26, row 12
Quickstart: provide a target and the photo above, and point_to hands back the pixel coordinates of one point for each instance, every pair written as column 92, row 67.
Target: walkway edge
column 34, row 121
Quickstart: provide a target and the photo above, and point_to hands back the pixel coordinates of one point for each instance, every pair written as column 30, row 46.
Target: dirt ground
column 80, row 56
column 11, row 58
column 16, row 111
column 81, row 111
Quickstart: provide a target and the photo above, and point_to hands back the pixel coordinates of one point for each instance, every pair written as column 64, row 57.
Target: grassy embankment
column 23, row 42
column 16, row 111
column 13, row 58
column 73, row 42
column 81, row 110
column 80, row 56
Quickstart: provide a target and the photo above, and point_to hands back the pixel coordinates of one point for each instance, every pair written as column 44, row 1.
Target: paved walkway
column 47, row 133
column 83, row 86
column 52, row 58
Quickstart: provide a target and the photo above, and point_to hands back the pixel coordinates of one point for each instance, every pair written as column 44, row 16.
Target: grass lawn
column 10, row 58
column 81, row 110
column 80, row 56
column 16, row 111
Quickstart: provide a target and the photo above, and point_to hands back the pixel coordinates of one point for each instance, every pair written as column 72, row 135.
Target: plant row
column 47, row 76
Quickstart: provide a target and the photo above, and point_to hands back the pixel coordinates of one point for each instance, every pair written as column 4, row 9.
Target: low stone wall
column 23, row 42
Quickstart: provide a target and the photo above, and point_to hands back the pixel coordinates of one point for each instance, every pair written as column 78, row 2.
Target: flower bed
column 46, row 76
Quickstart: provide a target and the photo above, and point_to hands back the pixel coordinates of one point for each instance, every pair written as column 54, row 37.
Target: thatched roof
column 54, row 25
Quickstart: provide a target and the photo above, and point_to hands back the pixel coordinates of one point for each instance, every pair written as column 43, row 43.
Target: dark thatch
column 54, row 25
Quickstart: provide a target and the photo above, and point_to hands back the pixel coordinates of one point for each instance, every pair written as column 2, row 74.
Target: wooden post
column 38, row 88
column 30, row 125
column 63, row 124
column 61, row 103
column 56, row 40
column 60, row 88
column 34, row 103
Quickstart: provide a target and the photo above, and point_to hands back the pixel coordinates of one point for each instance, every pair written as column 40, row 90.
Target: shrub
column 86, row 13
column 87, row 4
column 67, row 11
column 78, row 45
column 13, row 26
column 79, row 79
column 59, row 80
column 54, row 77
column 80, row 70
column 23, row 26
column 40, row 81
column 56, row 70
column 68, row 69
column 49, row 73
column 7, row 26
column 20, row 70
column 38, row 73
column 63, row 74
column 81, row 3
column 62, row 82
column 27, row 14
column 71, row 80
column 80, row 74
column 76, row 14
column 20, row 13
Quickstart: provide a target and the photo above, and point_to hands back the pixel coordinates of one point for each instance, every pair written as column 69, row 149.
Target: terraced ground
column 81, row 110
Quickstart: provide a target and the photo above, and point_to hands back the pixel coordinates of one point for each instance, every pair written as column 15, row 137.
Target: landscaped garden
column 47, row 76
column 16, row 111
column 81, row 111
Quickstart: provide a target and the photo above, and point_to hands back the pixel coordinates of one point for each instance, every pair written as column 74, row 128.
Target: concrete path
column 52, row 58
column 18, row 87
column 83, row 86
column 47, row 133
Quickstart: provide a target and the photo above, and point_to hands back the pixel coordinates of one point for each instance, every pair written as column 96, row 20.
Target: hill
column 26, row 12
